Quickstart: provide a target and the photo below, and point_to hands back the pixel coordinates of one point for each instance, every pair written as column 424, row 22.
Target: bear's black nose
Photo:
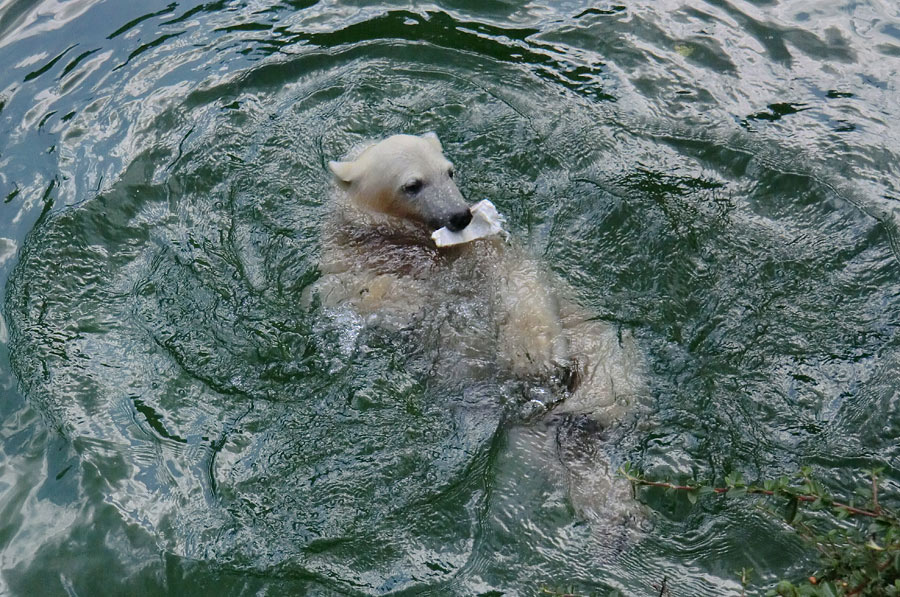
column 459, row 220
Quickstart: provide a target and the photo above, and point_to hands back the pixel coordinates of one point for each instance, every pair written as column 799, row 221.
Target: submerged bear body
column 485, row 309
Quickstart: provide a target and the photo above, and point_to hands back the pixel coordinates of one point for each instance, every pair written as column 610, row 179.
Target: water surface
column 719, row 179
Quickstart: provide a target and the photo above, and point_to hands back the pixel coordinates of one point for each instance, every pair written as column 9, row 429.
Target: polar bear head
column 406, row 176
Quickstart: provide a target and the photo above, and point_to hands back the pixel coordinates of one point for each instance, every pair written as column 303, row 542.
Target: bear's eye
column 450, row 172
column 413, row 187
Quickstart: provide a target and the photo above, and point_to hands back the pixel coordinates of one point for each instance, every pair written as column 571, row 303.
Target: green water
column 719, row 179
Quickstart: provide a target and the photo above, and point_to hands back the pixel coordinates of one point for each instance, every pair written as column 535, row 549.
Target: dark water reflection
column 719, row 178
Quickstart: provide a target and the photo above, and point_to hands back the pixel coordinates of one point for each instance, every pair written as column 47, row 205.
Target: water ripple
column 722, row 179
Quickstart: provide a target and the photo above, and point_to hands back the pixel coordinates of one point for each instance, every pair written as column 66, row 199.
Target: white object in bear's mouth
column 485, row 222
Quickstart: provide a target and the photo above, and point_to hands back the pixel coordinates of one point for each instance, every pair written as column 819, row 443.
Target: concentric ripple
column 650, row 156
column 160, row 327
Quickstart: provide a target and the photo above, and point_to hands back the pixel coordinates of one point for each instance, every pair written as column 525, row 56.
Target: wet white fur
column 490, row 303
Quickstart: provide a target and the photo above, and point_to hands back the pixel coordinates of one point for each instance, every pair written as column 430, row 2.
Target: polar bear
column 487, row 306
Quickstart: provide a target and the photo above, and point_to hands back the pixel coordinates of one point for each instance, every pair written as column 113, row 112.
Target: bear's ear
column 433, row 140
column 343, row 171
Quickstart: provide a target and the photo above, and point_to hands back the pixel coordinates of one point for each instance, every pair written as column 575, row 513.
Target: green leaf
column 790, row 511
column 865, row 553
column 785, row 588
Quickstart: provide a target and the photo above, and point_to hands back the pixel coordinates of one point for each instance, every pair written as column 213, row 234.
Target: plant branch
column 877, row 512
column 875, row 505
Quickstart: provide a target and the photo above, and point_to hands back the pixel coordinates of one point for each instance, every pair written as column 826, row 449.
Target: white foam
column 485, row 222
